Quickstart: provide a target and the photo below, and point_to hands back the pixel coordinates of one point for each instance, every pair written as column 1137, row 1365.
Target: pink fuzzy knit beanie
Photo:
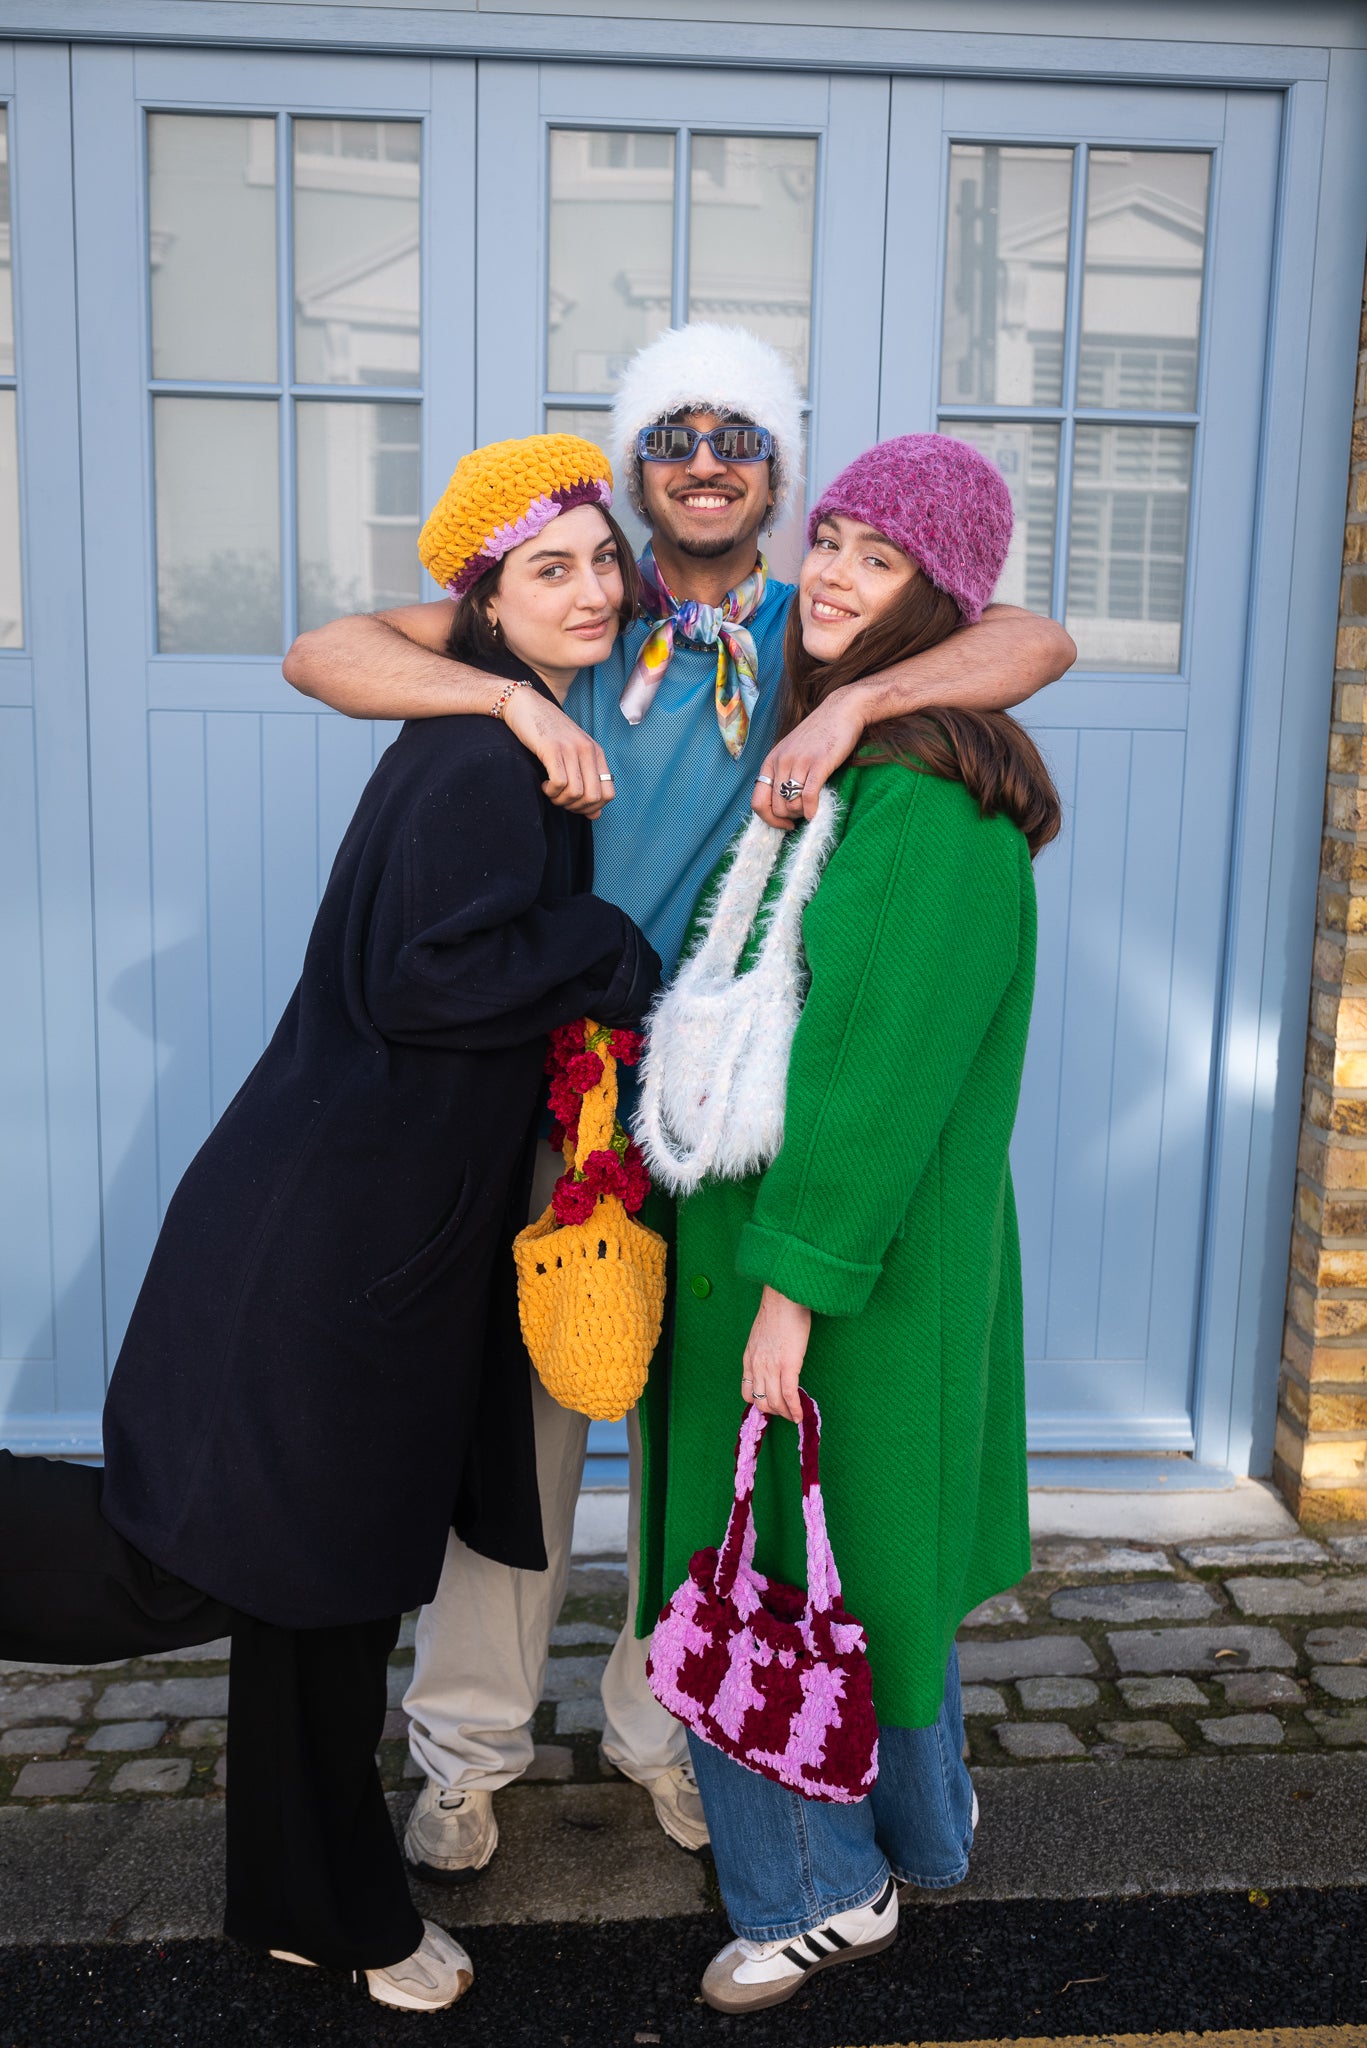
column 943, row 503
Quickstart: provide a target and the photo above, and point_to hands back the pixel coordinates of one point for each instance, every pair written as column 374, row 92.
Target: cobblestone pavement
column 1103, row 1651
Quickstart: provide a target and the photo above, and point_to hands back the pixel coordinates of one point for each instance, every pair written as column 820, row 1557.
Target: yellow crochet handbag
column 591, row 1295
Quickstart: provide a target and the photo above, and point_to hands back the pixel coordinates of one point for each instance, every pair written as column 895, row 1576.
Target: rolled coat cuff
column 821, row 1282
column 635, row 984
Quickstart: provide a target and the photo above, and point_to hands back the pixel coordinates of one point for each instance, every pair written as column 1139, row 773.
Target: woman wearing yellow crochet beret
column 322, row 1374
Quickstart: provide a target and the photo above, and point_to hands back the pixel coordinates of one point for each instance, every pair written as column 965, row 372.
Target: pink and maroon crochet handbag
column 775, row 1678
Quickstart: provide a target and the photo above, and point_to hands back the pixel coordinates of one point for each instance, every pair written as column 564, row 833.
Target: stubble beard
column 707, row 547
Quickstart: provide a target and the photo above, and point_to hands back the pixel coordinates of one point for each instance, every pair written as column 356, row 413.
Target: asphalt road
column 999, row 1969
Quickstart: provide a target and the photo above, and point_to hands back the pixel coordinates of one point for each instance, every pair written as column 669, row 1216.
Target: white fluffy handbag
column 715, row 1074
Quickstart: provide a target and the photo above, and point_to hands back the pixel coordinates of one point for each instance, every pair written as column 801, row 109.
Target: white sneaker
column 436, row 1974
column 678, row 1807
column 746, row 1976
column 450, row 1834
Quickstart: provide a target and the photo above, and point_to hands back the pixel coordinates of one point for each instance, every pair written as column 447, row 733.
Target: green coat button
column 701, row 1286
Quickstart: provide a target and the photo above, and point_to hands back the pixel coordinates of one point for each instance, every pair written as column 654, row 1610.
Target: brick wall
column 1320, row 1461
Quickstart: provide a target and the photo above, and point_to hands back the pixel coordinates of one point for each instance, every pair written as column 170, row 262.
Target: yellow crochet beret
column 503, row 494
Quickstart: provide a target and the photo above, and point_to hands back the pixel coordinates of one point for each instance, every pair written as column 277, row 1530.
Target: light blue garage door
column 283, row 304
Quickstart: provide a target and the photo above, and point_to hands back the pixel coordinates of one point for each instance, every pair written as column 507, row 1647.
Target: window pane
column 218, row 525
column 356, row 252
column 211, row 246
column 6, row 274
column 1141, row 292
column 611, row 253
column 11, row 585
column 594, row 426
column 359, row 487
column 750, row 237
column 1127, row 546
column 1027, row 457
column 1006, row 275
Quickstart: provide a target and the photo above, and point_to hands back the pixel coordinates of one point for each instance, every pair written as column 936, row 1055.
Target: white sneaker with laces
column 451, row 1834
column 746, row 1976
column 436, row 1974
column 678, row 1807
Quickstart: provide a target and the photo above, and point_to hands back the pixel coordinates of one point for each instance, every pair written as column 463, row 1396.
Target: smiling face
column 706, row 509
column 849, row 578
column 559, row 596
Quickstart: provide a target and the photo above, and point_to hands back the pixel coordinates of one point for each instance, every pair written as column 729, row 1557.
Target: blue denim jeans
column 786, row 1863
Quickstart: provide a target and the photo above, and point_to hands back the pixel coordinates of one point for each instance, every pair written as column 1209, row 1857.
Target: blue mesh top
column 680, row 796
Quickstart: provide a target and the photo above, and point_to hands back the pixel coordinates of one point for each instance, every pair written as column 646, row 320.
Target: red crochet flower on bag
column 605, row 1174
column 567, row 1040
column 584, row 1071
column 564, row 1101
column 573, row 1201
column 636, row 1178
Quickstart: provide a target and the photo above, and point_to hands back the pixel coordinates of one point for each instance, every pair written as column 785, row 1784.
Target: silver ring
column 606, row 778
column 790, row 791
column 765, row 778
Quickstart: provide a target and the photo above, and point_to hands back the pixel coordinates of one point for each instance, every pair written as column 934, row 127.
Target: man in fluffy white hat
column 667, row 745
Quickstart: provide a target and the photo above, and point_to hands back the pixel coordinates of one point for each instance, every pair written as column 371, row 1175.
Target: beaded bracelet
column 501, row 701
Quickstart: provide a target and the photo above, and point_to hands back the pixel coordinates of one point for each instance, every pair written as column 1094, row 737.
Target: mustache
column 713, row 490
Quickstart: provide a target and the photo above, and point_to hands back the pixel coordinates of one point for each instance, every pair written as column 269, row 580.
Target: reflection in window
column 1027, row 456
column 1127, row 555
column 611, row 252
column 6, row 273
column 218, row 550
column 750, row 238
column 211, row 246
column 357, row 282
column 359, row 490
column 596, row 427
column 1007, row 275
column 11, row 578
column 1141, row 288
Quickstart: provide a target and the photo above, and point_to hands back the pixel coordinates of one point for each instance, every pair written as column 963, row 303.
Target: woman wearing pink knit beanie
column 847, row 1217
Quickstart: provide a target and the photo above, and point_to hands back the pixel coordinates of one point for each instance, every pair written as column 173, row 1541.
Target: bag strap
column 738, row 1546
column 802, row 872
column 738, row 898
column 598, row 1110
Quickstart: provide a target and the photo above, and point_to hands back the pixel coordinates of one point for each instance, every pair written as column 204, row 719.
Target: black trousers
column 313, row 1864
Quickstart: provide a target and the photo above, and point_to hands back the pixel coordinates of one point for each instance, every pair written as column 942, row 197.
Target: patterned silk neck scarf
column 702, row 625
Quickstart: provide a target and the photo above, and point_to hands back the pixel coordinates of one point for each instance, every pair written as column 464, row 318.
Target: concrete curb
column 589, row 1853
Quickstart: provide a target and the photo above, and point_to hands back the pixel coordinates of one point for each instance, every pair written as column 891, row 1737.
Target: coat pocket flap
column 394, row 1292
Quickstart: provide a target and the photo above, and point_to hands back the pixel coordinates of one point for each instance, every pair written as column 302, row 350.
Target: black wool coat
column 323, row 1372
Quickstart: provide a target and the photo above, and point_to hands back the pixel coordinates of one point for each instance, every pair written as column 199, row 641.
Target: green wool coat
column 889, row 1212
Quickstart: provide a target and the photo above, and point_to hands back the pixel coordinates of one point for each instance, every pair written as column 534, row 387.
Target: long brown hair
column 472, row 637
column 995, row 759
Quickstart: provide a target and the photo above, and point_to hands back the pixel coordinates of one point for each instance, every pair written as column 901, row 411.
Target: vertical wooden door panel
column 27, row 1321
column 219, row 799
column 51, row 1332
column 1111, row 1149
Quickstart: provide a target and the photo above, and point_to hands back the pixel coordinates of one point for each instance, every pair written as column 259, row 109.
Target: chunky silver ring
column 790, row 791
column 605, row 778
column 765, row 778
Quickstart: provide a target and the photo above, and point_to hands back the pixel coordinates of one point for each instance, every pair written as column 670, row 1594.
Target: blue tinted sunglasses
column 729, row 444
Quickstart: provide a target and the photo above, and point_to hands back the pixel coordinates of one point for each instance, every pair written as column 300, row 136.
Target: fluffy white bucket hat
column 708, row 367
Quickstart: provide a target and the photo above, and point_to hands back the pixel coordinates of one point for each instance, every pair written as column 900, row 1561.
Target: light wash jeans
column 786, row 1863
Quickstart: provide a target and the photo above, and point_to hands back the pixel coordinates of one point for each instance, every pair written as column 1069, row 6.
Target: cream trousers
column 483, row 1643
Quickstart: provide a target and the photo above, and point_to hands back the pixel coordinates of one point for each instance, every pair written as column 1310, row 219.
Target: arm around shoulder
column 387, row 665
column 1000, row 662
